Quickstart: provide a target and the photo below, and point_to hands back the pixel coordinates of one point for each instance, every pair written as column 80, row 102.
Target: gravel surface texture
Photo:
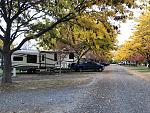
column 112, row 91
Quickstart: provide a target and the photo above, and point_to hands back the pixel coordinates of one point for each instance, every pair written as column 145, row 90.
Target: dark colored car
column 105, row 63
column 87, row 66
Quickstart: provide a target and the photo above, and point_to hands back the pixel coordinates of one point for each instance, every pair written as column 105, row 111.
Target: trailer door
column 43, row 61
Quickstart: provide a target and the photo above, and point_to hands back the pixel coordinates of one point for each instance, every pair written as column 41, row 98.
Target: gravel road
column 111, row 91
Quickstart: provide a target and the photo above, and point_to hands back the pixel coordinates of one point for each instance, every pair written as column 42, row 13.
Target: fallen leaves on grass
column 46, row 83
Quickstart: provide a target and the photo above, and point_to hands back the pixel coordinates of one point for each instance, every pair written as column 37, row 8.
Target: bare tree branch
column 10, row 7
column 43, row 31
column 3, row 10
column 14, row 35
column 24, row 7
column 21, row 9
column 84, row 52
column 1, row 28
column 18, row 34
column 63, row 19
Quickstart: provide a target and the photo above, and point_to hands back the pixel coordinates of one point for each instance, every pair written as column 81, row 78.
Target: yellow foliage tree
column 87, row 33
column 139, row 43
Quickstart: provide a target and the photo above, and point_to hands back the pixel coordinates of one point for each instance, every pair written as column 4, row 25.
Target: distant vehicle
column 121, row 63
column 90, row 65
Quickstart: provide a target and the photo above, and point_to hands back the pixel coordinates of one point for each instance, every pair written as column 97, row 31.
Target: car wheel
column 76, row 70
column 80, row 69
column 29, row 71
column 101, row 69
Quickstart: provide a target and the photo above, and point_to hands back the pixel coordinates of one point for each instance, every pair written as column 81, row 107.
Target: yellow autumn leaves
column 139, row 42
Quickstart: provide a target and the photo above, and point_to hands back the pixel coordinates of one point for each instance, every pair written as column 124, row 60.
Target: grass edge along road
column 140, row 71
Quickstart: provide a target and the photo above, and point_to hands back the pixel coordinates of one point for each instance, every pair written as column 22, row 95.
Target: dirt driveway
column 112, row 91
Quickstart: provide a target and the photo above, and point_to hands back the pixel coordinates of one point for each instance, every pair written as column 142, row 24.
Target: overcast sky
column 126, row 28
column 125, row 31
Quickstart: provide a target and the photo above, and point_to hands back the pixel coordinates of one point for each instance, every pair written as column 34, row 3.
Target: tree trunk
column 149, row 64
column 136, row 63
column 7, row 68
column 78, row 59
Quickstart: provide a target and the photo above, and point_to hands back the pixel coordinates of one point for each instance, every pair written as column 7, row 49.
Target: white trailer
column 31, row 61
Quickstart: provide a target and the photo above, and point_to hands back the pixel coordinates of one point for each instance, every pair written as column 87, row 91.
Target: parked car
column 90, row 65
column 105, row 63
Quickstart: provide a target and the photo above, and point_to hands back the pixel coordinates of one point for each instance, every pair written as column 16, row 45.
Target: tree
column 141, row 36
column 129, row 52
column 84, row 33
column 138, row 48
column 18, row 18
column 123, row 52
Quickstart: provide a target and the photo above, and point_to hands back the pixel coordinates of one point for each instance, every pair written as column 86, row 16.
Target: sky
column 126, row 30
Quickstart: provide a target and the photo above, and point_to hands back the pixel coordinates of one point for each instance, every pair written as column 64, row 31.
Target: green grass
column 42, row 84
column 17, row 72
column 1, row 71
column 144, row 70
column 140, row 68
column 128, row 66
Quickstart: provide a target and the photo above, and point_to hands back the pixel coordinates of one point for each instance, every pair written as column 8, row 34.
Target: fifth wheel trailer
column 29, row 60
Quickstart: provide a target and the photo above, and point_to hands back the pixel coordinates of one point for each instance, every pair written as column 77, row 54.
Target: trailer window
column 17, row 58
column 71, row 56
column 31, row 58
column 55, row 56
column 43, row 57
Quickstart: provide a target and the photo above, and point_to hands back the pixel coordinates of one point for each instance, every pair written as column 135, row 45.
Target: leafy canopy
column 139, row 44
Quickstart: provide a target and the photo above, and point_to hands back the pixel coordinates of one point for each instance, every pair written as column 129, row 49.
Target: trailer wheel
column 29, row 71
column 34, row 71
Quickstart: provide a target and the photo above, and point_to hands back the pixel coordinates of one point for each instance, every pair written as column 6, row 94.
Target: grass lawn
column 17, row 72
column 1, row 71
column 139, row 68
column 49, row 82
column 40, row 84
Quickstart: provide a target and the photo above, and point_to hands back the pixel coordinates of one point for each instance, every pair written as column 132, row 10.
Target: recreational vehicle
column 31, row 61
